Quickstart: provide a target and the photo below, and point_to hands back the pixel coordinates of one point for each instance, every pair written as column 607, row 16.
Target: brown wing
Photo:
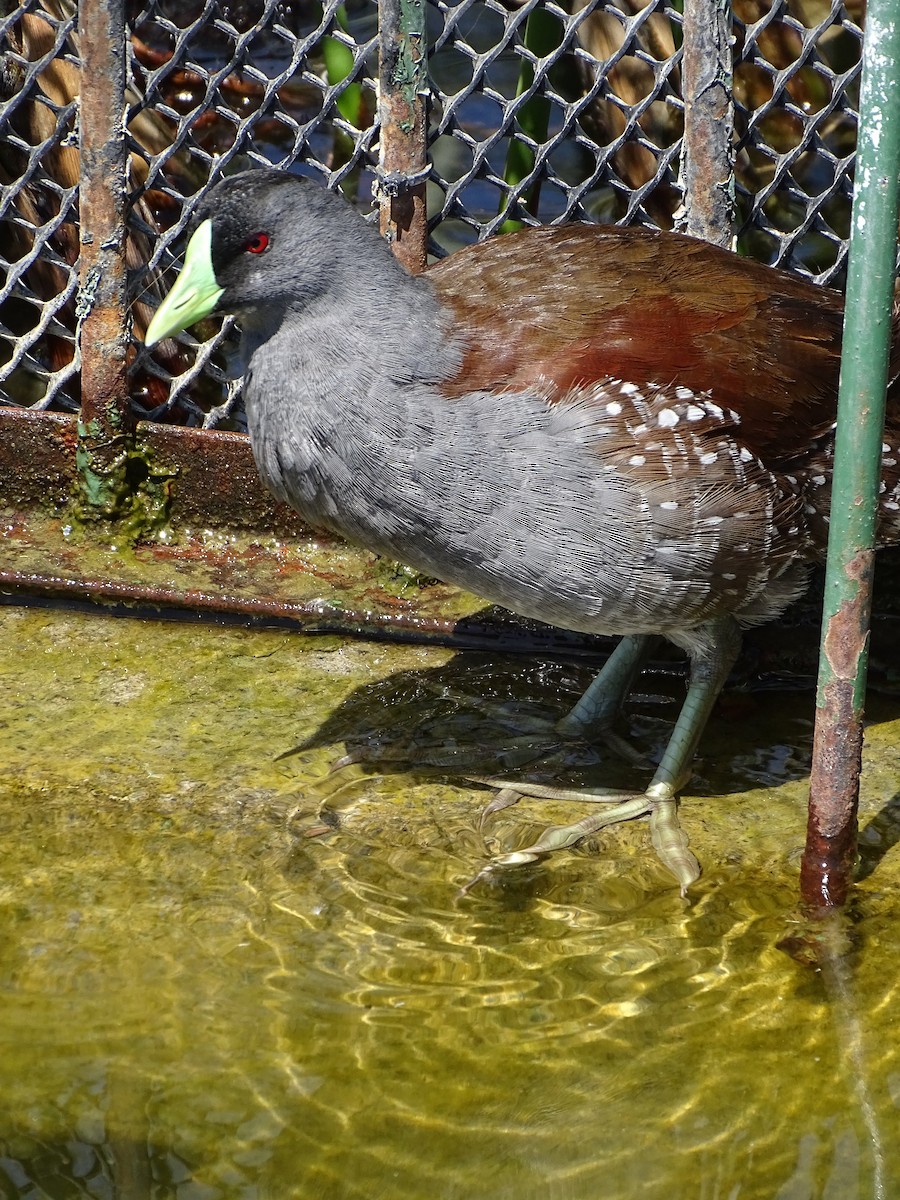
column 563, row 306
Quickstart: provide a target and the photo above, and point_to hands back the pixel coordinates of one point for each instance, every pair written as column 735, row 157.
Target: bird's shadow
column 478, row 713
column 488, row 714
column 484, row 710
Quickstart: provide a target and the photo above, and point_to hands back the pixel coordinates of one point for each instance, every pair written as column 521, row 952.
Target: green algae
column 202, row 1000
column 124, row 492
column 319, row 573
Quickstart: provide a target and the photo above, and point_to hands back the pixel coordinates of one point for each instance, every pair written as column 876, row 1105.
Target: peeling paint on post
column 827, row 865
column 105, row 425
column 403, row 157
column 828, row 858
column 707, row 155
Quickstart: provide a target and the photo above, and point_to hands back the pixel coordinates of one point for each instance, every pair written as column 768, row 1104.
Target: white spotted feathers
column 721, row 520
column 746, row 530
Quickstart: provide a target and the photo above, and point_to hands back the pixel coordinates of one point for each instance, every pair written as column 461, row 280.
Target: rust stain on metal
column 214, row 477
column 846, row 635
column 826, row 867
column 707, row 168
column 831, row 835
column 37, row 457
column 323, row 617
column 216, row 482
column 402, row 216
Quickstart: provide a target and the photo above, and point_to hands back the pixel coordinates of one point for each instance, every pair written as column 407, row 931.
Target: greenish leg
column 713, row 651
column 592, row 716
column 603, row 700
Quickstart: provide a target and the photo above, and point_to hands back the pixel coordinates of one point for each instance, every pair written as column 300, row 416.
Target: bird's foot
column 658, row 802
column 510, row 792
column 572, row 743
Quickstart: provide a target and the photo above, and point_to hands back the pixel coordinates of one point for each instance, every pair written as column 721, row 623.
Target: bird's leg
column 602, row 701
column 592, row 716
column 713, row 648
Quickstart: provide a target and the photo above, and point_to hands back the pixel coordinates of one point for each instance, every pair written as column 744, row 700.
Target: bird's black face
column 249, row 215
column 229, row 242
column 256, row 239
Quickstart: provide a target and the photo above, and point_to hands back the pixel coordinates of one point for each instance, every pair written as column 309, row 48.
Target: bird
column 613, row 430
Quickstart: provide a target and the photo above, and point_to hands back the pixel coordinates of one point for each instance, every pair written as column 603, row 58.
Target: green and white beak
column 195, row 292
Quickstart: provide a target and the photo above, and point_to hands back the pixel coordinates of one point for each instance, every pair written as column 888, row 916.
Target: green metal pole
column 837, row 751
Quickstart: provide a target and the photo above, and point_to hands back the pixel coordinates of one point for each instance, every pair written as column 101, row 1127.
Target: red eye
column 257, row 244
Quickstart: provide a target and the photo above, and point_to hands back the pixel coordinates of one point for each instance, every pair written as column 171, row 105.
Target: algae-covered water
column 225, row 974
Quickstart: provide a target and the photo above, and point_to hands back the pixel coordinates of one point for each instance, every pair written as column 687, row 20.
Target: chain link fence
column 538, row 112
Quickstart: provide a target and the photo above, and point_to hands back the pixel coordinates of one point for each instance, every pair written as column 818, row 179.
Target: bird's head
column 260, row 240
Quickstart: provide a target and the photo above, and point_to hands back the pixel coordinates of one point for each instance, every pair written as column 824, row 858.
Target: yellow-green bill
column 195, row 292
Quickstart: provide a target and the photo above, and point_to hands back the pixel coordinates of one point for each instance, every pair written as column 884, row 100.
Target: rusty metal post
column 828, row 859
column 706, row 175
column 105, row 425
column 403, row 86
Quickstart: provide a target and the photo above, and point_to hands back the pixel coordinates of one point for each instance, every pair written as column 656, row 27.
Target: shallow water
column 224, row 975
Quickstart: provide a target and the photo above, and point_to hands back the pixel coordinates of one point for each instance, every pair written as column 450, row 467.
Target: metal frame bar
column 707, row 157
column 105, row 424
column 403, row 91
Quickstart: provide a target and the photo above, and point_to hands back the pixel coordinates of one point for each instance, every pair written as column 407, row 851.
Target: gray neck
column 337, row 389
column 375, row 327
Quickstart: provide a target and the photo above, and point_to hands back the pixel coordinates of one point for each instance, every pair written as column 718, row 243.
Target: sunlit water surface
column 198, row 999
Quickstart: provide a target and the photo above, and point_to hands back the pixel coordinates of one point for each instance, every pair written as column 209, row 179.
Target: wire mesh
column 539, row 112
